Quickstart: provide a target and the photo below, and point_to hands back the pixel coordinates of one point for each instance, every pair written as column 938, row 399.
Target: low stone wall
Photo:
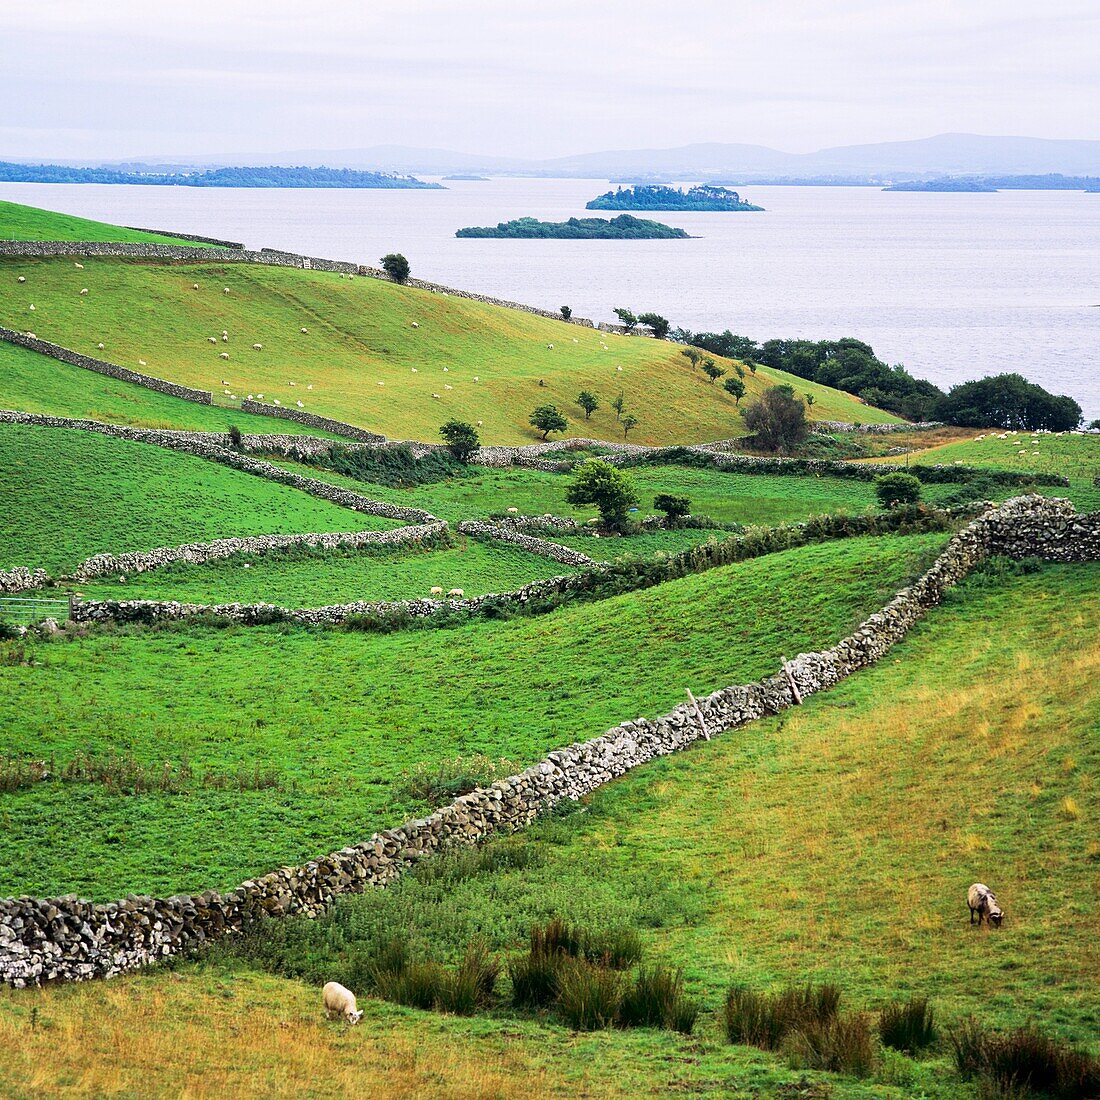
column 21, row 579
column 103, row 565
column 311, row 420
column 552, row 550
column 101, row 366
column 70, row 939
column 875, row 429
column 197, row 444
column 188, row 237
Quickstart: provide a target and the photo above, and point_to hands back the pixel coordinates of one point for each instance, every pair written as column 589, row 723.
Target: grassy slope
column 801, row 847
column 473, row 566
column 360, row 334
column 69, row 495
column 28, row 223
column 729, row 497
column 35, row 383
column 340, row 715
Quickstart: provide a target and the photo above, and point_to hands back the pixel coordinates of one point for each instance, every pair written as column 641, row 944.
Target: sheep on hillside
column 437, row 397
column 257, row 347
column 142, row 363
column 436, row 590
column 84, row 290
column 79, row 266
column 224, row 355
column 194, row 286
column 305, row 332
column 983, row 901
column 549, row 347
column 416, row 324
column 22, row 279
column 340, row 1001
column 100, row 346
column 456, row 592
column 226, row 290
column 212, row 339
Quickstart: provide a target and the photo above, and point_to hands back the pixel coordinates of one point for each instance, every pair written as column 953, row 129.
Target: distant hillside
column 670, row 198
column 1051, row 181
column 269, row 176
column 623, row 227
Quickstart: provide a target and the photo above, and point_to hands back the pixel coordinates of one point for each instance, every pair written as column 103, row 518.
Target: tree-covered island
column 624, row 227
column 654, row 197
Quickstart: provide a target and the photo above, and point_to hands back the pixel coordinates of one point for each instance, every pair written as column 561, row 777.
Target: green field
column 71, row 494
column 340, row 714
column 34, row 383
column 360, row 334
column 300, row 580
column 28, row 223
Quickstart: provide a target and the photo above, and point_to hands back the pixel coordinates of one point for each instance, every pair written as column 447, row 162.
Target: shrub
column 566, row 312
column 588, row 402
column 777, row 420
column 841, row 1044
column 535, row 979
column 396, row 267
column 555, row 937
column 235, row 438
column 470, row 985
column 461, row 439
column 763, row 1020
column 656, row 999
column 674, row 507
column 418, row 985
column 895, row 489
column 910, row 1026
column 588, row 996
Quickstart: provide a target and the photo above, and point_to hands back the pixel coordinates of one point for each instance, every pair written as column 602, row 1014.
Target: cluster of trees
column 590, row 404
column 624, row 227
column 614, row 493
column 658, row 326
column 1003, row 400
column 656, row 197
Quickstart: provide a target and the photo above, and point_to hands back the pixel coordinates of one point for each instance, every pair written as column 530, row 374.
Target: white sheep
column 292, row 383
column 310, row 386
column 513, row 511
column 340, row 1001
column 194, row 286
column 100, row 346
column 983, row 901
column 477, row 378
column 549, row 347
column 300, row 405
column 415, row 371
column 224, row 355
column 446, row 386
column 480, row 423
column 618, row 368
column 212, row 339
column 226, row 290
column 33, row 335
column 257, row 347
column 22, row 279
column 84, row 290
column 259, row 397
column 225, row 338
column 250, row 398
column 277, row 401
column 436, row 590
column 437, row 397
column 225, row 332
column 456, row 592
column 79, row 267
column 225, row 381
column 32, row 307
column 381, row 383
column 446, row 370
column 416, row 324
column 225, row 392
column 305, row 332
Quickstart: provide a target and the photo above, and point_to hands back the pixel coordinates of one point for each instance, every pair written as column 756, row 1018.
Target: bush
column 840, row 1044
column 605, row 486
column 777, row 420
column 588, row 996
column 461, row 439
column 418, row 985
column 396, row 267
column 471, row 984
column 674, row 507
column 566, row 312
column 656, row 999
column 910, row 1026
column 763, row 1020
column 617, row 948
column 535, row 979
column 895, row 489
column 235, row 438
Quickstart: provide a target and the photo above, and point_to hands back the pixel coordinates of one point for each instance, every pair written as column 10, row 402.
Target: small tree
column 235, row 440
column 547, row 418
column 461, row 439
column 751, row 365
column 626, row 316
column 588, row 402
column 810, row 399
column 693, row 355
column 566, row 312
column 895, row 489
column 712, row 370
column 674, row 507
column 617, row 405
column 777, row 420
column 735, row 388
column 629, row 422
column 656, row 324
column 396, row 266
column 739, row 370
column 607, row 487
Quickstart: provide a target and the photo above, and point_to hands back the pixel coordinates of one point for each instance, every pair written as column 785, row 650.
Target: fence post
column 72, row 606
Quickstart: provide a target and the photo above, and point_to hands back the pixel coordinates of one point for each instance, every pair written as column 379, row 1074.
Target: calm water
column 952, row 285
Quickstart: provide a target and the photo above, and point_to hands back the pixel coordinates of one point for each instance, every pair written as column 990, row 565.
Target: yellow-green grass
column 315, row 580
column 29, row 223
column 723, row 495
column 67, row 495
column 360, row 334
column 339, row 715
column 36, row 383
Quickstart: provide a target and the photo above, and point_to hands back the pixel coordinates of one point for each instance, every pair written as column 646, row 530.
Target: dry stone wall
column 311, row 420
column 188, row 237
column 67, row 938
column 552, row 550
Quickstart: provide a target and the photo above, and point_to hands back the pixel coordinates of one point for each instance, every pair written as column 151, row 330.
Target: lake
column 952, row 285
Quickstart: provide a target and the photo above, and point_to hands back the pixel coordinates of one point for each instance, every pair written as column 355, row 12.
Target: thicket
column 392, row 466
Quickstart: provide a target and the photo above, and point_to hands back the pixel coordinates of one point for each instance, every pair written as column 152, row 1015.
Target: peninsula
column 653, row 197
column 624, row 227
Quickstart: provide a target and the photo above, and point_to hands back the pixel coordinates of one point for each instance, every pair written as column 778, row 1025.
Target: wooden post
column 790, row 680
column 72, row 605
column 698, row 714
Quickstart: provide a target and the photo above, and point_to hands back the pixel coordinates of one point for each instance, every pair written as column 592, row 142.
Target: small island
column 624, row 227
column 467, row 177
column 955, row 184
column 653, row 197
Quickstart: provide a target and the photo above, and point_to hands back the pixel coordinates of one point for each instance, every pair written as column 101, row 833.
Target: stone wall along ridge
column 67, row 938
column 543, row 547
column 101, row 366
column 312, row 420
column 187, row 237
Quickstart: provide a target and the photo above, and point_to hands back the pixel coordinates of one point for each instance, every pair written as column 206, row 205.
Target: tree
column 587, row 402
column 566, row 312
column 236, row 441
column 461, row 439
column 396, row 266
column 739, row 370
column 693, row 355
column 630, row 322
column 656, row 324
column 712, row 370
column 1094, row 425
column 617, row 405
column 751, row 364
column 629, row 422
column 1008, row 401
column 735, row 388
column 810, row 399
column 548, row 419
column 607, row 487
column 777, row 420
column 674, row 507
column 895, row 489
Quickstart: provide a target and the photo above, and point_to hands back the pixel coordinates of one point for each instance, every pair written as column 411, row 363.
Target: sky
column 535, row 78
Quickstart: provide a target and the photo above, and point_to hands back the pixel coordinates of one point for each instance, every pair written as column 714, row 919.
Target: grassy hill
column 70, row 494
column 833, row 843
column 28, row 223
column 363, row 358
column 338, row 715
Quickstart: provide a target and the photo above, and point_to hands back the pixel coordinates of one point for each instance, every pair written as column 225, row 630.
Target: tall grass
column 910, row 1026
column 764, row 1020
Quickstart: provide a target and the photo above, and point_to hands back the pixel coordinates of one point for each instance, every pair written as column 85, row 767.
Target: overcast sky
column 119, row 78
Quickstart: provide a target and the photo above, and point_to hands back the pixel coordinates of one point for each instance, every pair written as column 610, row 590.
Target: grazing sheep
column 259, row 397
column 436, row 590
column 142, row 363
column 292, row 383
column 437, row 397
column 100, row 346
column 456, row 592
column 277, row 401
column 84, row 290
column 22, row 279
column 225, row 381
column 33, row 335
column 416, row 324
column 226, row 290
column 381, row 383
column 415, row 371
column 618, row 368
column 446, row 386
column 477, row 378
column 300, row 405
column 513, row 511
column 983, row 901
column 250, row 397
column 257, row 347
column 310, row 386
column 340, row 1001
column 224, row 355
column 305, row 332
column 32, row 307
column 481, row 423
column 194, row 286
column 225, row 332
column 225, row 339
column 549, row 347
column 212, row 339
column 80, row 267
column 446, row 370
